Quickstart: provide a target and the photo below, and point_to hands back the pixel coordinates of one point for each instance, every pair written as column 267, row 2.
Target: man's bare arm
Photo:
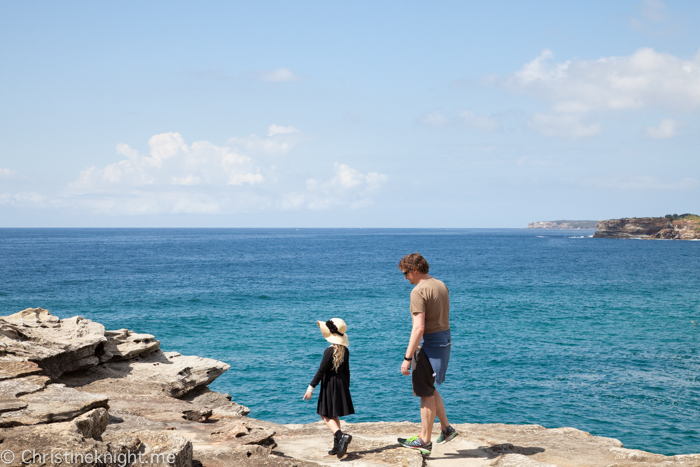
column 416, row 335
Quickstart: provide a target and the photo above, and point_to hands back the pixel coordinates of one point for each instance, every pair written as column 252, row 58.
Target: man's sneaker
column 343, row 445
column 447, row 435
column 415, row 442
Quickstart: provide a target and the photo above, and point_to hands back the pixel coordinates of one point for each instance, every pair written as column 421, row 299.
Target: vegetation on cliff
column 688, row 217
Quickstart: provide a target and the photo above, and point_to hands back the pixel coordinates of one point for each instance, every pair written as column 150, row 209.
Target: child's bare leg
column 332, row 423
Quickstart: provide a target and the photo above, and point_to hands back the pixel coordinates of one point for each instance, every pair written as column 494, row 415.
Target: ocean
column 548, row 327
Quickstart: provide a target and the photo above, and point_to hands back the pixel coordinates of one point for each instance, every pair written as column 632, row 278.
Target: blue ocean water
column 548, row 327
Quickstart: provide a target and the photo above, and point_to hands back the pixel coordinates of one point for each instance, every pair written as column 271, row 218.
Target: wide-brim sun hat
column 334, row 331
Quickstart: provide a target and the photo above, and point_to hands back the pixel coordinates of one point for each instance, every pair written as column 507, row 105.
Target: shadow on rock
column 491, row 452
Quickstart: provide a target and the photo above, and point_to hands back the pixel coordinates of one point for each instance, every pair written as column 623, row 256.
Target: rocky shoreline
column 661, row 228
column 72, row 393
column 563, row 225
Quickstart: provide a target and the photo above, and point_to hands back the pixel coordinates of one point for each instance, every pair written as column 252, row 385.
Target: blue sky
column 355, row 114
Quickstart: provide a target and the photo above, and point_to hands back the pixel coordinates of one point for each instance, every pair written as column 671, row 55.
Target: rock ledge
column 73, row 393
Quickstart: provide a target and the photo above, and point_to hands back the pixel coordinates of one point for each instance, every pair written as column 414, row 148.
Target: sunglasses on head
column 405, row 273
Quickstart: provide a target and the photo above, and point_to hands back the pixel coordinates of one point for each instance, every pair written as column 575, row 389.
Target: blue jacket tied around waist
column 437, row 347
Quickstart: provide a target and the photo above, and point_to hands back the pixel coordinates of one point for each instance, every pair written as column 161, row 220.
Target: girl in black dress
column 334, row 375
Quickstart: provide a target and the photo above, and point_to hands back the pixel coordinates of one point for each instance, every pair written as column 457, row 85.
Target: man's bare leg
column 440, row 410
column 427, row 417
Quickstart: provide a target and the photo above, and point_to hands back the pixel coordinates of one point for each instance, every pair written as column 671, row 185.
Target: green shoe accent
column 415, row 442
column 447, row 435
column 407, row 440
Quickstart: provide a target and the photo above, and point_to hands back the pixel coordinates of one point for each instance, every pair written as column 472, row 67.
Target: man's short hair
column 414, row 261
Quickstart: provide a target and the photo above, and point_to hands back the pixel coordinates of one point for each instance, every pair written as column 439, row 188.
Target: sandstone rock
column 122, row 445
column 232, row 410
column 124, row 344
column 687, row 228
column 518, row 460
column 667, row 234
column 155, row 411
column 57, row 346
column 221, row 404
column 156, row 399
column 635, row 455
column 13, row 388
column 11, row 406
column 563, row 225
column 643, row 227
column 165, row 373
column 55, row 403
column 246, row 432
column 34, row 318
column 196, row 415
column 16, row 369
column 53, row 444
column 77, row 443
column 164, row 449
column 93, row 423
column 372, row 444
column 248, row 456
column 235, row 430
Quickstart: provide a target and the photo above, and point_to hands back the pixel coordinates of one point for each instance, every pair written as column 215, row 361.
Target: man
column 428, row 350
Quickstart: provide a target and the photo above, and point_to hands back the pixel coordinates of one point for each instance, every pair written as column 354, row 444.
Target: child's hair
column 338, row 356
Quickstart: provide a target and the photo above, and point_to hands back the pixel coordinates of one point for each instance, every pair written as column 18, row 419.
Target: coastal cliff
column 73, row 393
column 686, row 227
column 564, row 225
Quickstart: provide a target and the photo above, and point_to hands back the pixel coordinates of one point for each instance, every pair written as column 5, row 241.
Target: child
column 334, row 374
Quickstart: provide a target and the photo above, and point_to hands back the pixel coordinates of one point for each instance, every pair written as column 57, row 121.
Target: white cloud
column 147, row 203
column 204, row 178
column 280, row 130
column 465, row 118
column 23, row 199
column 171, row 163
column 469, row 119
column 435, row 118
column 644, row 79
column 347, row 187
column 279, row 141
column 10, row 174
column 175, row 177
column 563, row 126
column 280, row 75
column 668, row 128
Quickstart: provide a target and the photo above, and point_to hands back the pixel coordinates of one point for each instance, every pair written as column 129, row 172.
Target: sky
column 444, row 114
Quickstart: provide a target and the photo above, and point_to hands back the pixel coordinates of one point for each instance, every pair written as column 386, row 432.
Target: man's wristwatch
column 408, row 359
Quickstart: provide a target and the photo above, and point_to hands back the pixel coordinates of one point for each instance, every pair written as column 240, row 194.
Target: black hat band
column 333, row 329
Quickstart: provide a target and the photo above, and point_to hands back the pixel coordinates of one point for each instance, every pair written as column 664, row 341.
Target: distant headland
column 572, row 225
column 669, row 227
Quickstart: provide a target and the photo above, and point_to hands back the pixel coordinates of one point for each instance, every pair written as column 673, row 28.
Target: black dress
column 334, row 399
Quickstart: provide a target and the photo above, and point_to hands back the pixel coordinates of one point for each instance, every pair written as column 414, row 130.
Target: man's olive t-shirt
column 430, row 296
